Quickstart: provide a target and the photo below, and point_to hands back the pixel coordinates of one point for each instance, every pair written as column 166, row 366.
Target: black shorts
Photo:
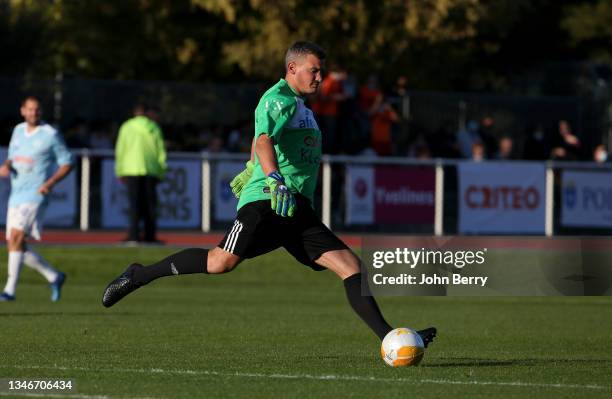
column 258, row 230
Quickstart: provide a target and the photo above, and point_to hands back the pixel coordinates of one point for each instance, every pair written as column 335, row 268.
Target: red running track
column 182, row 238
column 193, row 238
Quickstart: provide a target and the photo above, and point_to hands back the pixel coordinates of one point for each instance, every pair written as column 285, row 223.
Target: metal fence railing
column 330, row 199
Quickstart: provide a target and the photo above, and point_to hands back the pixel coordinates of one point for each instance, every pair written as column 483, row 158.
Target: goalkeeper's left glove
column 281, row 199
column 241, row 180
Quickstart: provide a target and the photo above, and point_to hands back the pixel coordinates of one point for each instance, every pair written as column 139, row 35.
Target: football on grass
column 402, row 347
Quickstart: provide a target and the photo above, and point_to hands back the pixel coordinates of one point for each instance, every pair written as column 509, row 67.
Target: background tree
column 438, row 44
column 590, row 29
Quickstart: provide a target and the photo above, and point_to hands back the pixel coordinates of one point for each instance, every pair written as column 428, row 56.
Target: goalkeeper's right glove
column 238, row 182
column 281, row 198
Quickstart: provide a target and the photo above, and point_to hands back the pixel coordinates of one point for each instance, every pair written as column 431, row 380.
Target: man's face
column 306, row 72
column 505, row 145
column 31, row 112
column 564, row 128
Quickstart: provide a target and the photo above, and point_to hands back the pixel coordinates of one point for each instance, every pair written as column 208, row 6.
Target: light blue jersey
column 35, row 157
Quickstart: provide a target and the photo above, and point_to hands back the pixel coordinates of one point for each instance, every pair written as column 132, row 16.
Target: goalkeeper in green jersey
column 275, row 207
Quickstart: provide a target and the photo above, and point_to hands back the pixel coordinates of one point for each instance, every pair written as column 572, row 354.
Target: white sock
column 38, row 263
column 15, row 258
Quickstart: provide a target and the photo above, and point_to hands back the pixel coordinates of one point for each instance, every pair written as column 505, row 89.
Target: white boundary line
column 320, row 377
column 58, row 394
column 52, row 395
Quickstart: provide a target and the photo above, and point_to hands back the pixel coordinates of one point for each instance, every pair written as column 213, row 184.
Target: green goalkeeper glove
column 238, row 182
column 282, row 200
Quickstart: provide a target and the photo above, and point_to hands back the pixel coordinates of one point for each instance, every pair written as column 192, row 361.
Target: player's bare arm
column 61, row 172
column 264, row 147
column 5, row 169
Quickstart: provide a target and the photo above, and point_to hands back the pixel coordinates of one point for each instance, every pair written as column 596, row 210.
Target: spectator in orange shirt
column 370, row 96
column 382, row 123
column 327, row 109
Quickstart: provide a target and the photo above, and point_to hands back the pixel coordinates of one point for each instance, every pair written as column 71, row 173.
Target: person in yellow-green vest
column 140, row 163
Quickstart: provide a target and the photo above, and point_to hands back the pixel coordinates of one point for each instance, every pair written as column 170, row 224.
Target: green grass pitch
column 274, row 329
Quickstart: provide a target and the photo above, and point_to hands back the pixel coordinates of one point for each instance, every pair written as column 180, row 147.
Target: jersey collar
column 33, row 132
column 290, row 88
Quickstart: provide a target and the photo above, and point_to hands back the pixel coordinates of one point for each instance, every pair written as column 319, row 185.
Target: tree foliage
column 590, row 26
column 362, row 35
column 438, row 44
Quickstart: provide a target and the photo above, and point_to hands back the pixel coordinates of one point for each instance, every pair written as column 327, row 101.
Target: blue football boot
column 56, row 287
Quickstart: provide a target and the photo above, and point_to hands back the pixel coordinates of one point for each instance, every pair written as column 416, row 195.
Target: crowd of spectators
column 475, row 142
column 102, row 135
column 367, row 119
column 368, row 125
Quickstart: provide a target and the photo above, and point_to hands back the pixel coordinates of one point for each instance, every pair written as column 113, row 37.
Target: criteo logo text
column 502, row 197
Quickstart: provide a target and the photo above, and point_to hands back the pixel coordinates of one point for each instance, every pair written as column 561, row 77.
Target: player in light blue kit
column 35, row 150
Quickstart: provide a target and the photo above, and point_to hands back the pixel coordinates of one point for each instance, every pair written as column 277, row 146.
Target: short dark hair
column 139, row 108
column 302, row 48
column 30, row 98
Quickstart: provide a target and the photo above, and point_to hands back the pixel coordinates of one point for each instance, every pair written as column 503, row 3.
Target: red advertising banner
column 404, row 195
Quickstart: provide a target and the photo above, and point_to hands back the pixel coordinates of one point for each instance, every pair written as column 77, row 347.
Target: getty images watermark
column 485, row 266
column 411, row 259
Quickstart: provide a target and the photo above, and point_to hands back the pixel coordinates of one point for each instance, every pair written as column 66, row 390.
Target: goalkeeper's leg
column 187, row 261
column 345, row 264
column 231, row 250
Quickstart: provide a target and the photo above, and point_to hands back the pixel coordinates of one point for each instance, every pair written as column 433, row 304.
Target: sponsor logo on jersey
column 306, row 123
column 311, row 141
column 23, row 159
column 311, row 156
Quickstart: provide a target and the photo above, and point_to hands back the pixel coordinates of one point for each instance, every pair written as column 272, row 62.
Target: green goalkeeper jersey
column 283, row 116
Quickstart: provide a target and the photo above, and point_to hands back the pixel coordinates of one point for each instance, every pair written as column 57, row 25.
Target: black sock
column 187, row 261
column 365, row 306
